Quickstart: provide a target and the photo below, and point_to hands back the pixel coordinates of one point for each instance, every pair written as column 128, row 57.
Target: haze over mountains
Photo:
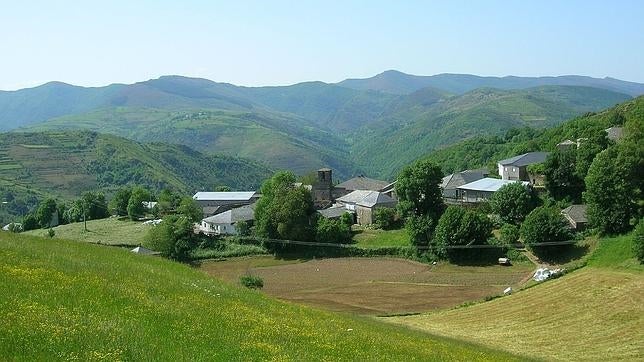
column 372, row 126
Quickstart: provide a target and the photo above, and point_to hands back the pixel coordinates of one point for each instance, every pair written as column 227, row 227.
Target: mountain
column 68, row 163
column 396, row 82
column 428, row 119
column 280, row 140
column 308, row 125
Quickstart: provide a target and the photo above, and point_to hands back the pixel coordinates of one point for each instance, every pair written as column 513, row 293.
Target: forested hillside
column 66, row 164
column 427, row 119
column 485, row 151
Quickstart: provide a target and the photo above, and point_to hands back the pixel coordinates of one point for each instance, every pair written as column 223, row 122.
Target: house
column 614, row 133
column 516, row 168
column 390, row 190
column 576, row 216
column 360, row 183
column 451, row 182
column 481, row 190
column 217, row 202
column 225, row 222
column 365, row 202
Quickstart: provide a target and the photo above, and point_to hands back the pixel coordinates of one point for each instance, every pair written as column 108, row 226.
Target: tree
column 613, row 188
column 420, row 200
column 173, row 237
column 544, row 225
column 384, row 217
column 420, row 229
column 45, row 212
column 509, row 234
column 284, row 211
column 95, row 205
column 332, row 231
column 243, row 228
column 29, row 222
column 135, row 208
column 593, row 144
column 190, row 209
column 118, row 203
column 222, row 188
column 513, row 202
column 167, row 201
column 561, row 178
column 458, row 226
column 418, row 190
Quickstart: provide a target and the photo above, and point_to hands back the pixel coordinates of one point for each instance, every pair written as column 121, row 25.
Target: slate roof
column 461, row 178
column 525, row 159
column 227, row 196
column 488, row 184
column 576, row 213
column 363, row 183
column 333, row 212
column 244, row 213
column 366, row 198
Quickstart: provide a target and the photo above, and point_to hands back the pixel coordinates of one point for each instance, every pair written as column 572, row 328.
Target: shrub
column 251, row 281
column 509, row 234
column 332, row 231
column 384, row 217
column 638, row 241
column 544, row 225
column 51, row 233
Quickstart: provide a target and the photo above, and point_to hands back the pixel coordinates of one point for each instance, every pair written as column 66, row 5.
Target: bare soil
column 373, row 286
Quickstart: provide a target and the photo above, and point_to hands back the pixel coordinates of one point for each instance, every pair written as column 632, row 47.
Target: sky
column 253, row 43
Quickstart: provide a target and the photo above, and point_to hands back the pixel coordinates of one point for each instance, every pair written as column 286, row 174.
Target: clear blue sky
column 283, row 42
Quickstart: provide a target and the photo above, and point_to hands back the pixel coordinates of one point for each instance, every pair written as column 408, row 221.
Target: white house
column 224, row 223
column 365, row 202
column 482, row 190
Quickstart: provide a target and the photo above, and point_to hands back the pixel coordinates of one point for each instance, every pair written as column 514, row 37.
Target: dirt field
column 375, row 286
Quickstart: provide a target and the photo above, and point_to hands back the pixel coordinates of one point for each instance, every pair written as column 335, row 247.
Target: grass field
column 372, row 286
column 68, row 300
column 595, row 313
column 110, row 231
column 367, row 238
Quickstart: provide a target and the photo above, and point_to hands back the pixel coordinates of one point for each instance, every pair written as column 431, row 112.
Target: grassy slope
column 66, row 300
column 110, row 231
column 594, row 313
column 381, row 238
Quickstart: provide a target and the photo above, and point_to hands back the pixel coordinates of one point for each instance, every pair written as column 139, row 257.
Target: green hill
column 68, row 163
column 71, row 300
column 484, row 151
column 281, row 141
column 416, row 129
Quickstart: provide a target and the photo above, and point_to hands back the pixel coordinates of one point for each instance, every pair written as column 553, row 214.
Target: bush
column 638, row 241
column 51, row 233
column 332, row 231
column 544, row 225
column 509, row 234
column 251, row 281
column 384, row 217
